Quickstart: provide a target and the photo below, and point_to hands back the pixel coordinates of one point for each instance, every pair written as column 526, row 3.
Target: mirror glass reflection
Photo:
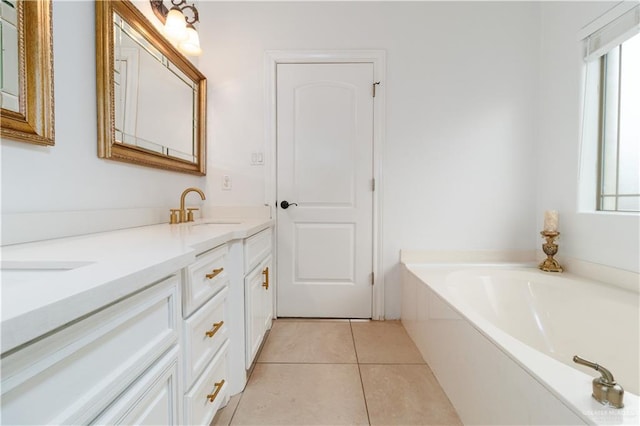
column 151, row 98
column 155, row 102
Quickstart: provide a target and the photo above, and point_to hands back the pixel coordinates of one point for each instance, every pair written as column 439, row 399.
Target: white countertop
column 47, row 284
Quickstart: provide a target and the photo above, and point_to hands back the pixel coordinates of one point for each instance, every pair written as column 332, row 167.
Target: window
column 619, row 183
column 610, row 164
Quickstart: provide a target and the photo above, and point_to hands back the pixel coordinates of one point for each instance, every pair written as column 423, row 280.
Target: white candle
column 551, row 221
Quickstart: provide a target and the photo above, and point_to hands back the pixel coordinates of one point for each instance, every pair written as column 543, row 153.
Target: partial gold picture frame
column 34, row 122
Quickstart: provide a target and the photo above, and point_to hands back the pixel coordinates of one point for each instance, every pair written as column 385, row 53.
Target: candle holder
column 550, row 248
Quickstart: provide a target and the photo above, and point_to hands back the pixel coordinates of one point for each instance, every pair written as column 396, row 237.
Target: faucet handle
column 190, row 214
column 607, row 377
column 173, row 217
column 605, row 389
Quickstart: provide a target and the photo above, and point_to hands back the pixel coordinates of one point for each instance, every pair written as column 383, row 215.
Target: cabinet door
column 256, row 248
column 254, row 316
column 267, row 294
column 259, row 307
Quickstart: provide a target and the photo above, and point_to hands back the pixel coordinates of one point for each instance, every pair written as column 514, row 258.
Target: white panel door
column 325, row 167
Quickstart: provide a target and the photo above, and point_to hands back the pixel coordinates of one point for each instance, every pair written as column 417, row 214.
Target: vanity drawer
column 204, row 278
column 152, row 399
column 205, row 332
column 256, row 248
column 70, row 376
column 209, row 393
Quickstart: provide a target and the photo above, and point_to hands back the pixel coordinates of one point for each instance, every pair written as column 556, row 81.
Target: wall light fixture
column 178, row 26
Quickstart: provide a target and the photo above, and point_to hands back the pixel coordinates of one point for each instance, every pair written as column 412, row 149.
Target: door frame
column 378, row 59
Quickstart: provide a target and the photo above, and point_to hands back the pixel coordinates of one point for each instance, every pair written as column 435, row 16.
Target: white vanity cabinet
column 206, row 335
column 115, row 365
column 258, row 283
column 158, row 337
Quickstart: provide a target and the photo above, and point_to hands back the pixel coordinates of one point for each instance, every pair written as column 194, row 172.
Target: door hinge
column 373, row 280
column 374, row 88
column 373, row 184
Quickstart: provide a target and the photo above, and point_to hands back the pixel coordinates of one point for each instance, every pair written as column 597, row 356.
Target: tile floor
column 325, row 372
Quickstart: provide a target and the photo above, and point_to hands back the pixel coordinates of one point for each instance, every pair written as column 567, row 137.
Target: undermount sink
column 26, row 270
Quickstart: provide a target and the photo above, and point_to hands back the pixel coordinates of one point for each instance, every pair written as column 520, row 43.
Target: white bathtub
column 500, row 340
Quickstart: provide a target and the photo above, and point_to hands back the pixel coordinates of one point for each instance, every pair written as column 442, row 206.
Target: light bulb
column 175, row 27
column 191, row 46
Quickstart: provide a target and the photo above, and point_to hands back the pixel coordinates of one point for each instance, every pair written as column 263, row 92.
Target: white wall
column 611, row 239
column 459, row 156
column 474, row 96
column 70, row 176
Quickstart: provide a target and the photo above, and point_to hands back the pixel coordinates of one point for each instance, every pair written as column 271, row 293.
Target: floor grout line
column 235, row 409
column 251, row 370
column 364, row 396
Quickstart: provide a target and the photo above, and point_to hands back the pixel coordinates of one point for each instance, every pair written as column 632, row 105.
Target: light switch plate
column 257, row 158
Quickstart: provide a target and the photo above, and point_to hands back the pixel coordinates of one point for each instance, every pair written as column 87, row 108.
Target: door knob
column 285, row 204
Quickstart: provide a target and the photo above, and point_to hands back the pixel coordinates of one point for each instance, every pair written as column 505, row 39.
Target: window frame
column 606, row 102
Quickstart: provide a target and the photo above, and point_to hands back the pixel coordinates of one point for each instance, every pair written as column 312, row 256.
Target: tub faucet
column 605, row 389
column 181, row 215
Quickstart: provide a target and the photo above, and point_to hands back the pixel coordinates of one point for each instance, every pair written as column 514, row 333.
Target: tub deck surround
column 478, row 305
column 77, row 275
column 560, row 315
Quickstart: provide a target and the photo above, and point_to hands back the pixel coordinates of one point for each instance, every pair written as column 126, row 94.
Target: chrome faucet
column 182, row 215
column 605, row 389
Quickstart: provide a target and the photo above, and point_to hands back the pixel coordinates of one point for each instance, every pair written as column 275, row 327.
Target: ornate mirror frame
column 34, row 122
column 108, row 146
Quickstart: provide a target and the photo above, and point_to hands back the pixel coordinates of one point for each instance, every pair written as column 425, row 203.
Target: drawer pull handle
column 214, row 330
column 214, row 273
column 217, row 386
column 265, row 283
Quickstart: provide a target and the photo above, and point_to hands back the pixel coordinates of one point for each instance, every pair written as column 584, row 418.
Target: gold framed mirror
column 151, row 99
column 27, row 71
